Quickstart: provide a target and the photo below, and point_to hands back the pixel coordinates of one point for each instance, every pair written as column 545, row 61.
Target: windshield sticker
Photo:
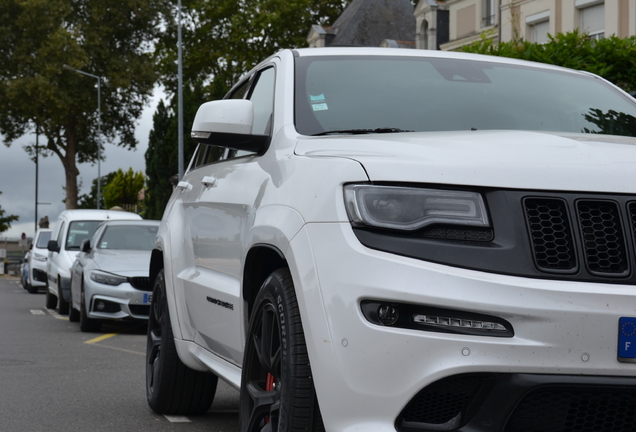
column 317, row 99
column 320, row 107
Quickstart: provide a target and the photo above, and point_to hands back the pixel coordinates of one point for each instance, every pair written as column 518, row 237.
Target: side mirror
column 85, row 245
column 31, row 246
column 228, row 123
column 52, row 246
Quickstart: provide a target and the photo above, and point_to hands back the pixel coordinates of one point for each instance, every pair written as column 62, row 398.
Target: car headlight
column 107, row 278
column 411, row 208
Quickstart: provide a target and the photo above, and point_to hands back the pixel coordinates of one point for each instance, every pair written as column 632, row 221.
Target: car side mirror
column 228, row 123
column 85, row 246
column 52, row 246
column 31, row 246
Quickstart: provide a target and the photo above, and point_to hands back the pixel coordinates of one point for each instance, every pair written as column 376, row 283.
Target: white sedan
column 109, row 278
column 411, row 240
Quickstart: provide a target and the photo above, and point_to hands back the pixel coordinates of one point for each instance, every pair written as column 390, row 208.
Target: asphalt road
column 55, row 378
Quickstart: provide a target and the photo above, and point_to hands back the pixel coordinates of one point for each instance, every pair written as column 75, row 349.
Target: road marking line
column 178, row 419
column 37, row 312
column 100, row 338
column 56, row 315
column 120, row 349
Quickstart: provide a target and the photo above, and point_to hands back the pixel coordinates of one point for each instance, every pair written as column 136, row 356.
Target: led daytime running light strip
column 457, row 322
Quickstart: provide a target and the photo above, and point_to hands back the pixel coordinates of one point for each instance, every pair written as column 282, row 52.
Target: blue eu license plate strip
column 627, row 339
column 147, row 298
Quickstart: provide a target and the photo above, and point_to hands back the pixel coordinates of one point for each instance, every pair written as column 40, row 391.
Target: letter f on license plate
column 627, row 340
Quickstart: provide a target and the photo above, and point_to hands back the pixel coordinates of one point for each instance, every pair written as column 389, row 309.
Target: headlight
column 107, row 278
column 407, row 208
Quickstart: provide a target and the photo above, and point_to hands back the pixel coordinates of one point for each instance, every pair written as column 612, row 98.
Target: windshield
column 78, row 231
column 128, row 237
column 393, row 94
column 43, row 239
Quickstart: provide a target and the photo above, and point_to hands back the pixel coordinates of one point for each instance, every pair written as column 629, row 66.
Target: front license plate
column 147, row 298
column 627, row 339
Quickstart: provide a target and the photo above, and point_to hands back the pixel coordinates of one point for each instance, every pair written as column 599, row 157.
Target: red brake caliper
column 269, row 386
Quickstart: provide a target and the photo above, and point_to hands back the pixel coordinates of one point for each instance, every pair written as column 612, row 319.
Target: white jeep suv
column 410, row 240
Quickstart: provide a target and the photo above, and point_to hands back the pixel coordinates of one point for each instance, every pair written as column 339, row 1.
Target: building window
column 538, row 27
column 592, row 15
column 488, row 13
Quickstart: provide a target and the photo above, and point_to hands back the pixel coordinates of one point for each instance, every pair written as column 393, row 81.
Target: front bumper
column 116, row 302
column 561, row 328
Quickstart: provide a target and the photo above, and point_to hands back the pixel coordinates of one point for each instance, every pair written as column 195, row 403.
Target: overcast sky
column 17, row 175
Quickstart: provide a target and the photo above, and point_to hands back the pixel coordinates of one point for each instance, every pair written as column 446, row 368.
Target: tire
column 51, row 300
column 87, row 324
column 32, row 290
column 73, row 314
column 61, row 303
column 277, row 388
column 171, row 386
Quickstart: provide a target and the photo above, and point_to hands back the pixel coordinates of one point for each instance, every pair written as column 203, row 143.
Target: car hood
column 503, row 159
column 123, row 262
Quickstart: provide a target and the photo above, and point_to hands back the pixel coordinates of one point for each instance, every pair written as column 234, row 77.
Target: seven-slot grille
column 588, row 232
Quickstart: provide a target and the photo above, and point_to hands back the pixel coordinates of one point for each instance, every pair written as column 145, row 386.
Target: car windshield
column 43, row 239
column 78, row 231
column 366, row 94
column 128, row 237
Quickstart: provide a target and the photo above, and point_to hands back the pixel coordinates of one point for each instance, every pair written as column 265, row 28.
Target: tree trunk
column 70, row 171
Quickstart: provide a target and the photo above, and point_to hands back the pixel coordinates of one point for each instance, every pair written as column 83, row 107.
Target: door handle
column 184, row 185
column 208, row 181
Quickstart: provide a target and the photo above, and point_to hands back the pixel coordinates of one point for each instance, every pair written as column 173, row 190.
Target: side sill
column 197, row 358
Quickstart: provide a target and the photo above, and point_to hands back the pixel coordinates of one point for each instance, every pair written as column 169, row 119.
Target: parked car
column 24, row 271
column 405, row 240
column 71, row 228
column 109, row 279
column 38, row 253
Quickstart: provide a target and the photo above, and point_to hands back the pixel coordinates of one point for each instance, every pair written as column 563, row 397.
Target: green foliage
column 107, row 38
column 162, row 158
column 123, row 190
column 89, row 200
column 612, row 58
column 223, row 39
column 5, row 221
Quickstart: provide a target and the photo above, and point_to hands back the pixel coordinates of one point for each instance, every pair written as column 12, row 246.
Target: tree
column 612, row 58
column 123, row 190
column 107, row 38
column 162, row 155
column 5, row 221
column 89, row 200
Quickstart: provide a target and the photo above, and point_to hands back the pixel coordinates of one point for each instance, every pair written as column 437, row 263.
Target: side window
column 262, row 97
column 240, row 91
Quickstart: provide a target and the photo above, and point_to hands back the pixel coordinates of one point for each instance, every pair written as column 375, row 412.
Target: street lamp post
column 99, row 127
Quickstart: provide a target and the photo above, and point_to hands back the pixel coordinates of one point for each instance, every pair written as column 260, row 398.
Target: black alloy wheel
column 171, row 386
column 277, row 388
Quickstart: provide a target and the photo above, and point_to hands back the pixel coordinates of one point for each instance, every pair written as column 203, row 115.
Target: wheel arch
column 260, row 262
column 156, row 264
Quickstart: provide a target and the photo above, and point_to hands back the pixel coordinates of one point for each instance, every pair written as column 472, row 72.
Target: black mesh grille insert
column 441, row 401
column 632, row 217
column 603, row 240
column 141, row 283
column 454, row 233
column 575, row 410
column 550, row 233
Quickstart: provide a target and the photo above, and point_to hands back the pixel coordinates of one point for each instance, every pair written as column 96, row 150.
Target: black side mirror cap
column 85, row 245
column 52, row 246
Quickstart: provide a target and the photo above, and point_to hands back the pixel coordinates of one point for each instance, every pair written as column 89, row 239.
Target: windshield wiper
column 361, row 131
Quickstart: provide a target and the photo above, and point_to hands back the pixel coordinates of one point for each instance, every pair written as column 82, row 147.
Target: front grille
column 603, row 239
column 441, row 405
column 568, row 234
column 141, row 283
column 139, row 310
column 550, row 233
column 589, row 409
column 39, row 275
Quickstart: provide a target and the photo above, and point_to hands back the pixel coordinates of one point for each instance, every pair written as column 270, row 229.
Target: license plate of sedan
column 627, row 339
column 148, row 299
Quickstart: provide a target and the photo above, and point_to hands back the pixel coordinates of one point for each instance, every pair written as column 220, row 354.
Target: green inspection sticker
column 320, row 107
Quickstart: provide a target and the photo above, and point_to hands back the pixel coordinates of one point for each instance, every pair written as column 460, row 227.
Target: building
column 450, row 24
